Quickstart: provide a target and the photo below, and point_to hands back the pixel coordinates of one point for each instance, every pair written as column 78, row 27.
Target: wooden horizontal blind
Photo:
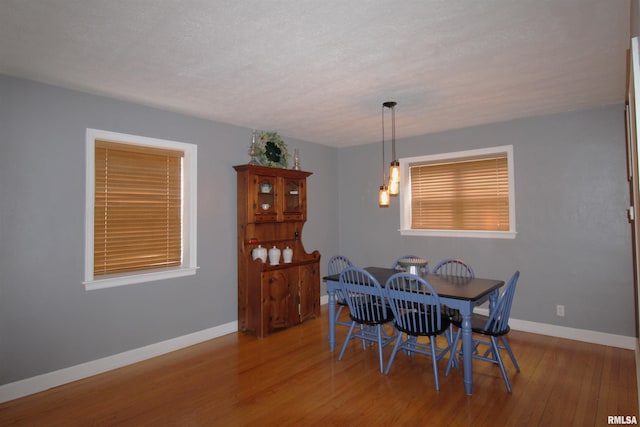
column 461, row 195
column 138, row 208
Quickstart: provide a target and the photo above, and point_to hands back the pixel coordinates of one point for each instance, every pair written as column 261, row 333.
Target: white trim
column 593, row 337
column 49, row 380
column 130, row 279
column 460, row 233
column 189, row 210
column 405, row 193
column 585, row 335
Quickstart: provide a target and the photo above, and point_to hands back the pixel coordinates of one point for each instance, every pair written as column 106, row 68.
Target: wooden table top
column 446, row 286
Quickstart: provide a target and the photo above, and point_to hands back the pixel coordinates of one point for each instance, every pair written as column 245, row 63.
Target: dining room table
column 461, row 293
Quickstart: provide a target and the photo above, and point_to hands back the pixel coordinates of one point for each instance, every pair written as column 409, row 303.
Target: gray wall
column 574, row 241
column 47, row 320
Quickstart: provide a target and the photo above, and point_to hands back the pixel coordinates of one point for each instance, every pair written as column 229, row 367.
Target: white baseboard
column 63, row 376
column 585, row 335
column 593, row 337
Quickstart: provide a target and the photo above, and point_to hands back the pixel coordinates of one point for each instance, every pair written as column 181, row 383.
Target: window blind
column 138, row 208
column 470, row 194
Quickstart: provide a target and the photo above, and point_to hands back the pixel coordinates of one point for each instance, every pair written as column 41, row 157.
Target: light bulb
column 383, row 197
column 394, row 187
column 394, row 171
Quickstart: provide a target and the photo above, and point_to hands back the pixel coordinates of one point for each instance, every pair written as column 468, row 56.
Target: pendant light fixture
column 394, row 169
column 383, row 196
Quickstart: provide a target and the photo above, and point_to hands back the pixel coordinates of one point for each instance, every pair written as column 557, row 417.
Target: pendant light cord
column 384, row 167
column 393, row 132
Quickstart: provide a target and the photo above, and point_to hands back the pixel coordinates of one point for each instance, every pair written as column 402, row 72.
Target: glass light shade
column 394, row 187
column 383, row 197
column 394, row 171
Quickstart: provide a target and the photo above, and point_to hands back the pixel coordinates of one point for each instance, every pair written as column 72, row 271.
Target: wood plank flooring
column 291, row 378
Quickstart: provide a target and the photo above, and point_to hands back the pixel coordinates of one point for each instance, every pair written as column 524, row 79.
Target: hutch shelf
column 272, row 209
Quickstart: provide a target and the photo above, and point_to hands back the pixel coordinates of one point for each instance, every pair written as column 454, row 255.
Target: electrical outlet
column 560, row 310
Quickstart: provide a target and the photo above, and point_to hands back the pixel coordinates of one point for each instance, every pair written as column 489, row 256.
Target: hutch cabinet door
column 294, row 198
column 263, row 201
column 281, row 298
column 309, row 291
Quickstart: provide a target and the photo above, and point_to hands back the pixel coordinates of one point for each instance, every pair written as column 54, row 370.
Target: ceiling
column 319, row 71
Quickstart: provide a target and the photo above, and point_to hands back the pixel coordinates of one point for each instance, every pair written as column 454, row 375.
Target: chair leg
column 434, row 359
column 453, row 354
column 364, row 342
column 496, row 352
column 337, row 317
column 346, row 340
column 393, row 353
column 450, row 340
column 339, row 312
column 338, row 321
column 411, row 343
column 508, row 348
column 379, row 328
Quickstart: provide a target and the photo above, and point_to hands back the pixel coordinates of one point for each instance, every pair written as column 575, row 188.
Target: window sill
column 460, row 233
column 113, row 280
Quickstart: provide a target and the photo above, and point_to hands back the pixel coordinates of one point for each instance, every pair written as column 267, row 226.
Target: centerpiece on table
column 272, row 151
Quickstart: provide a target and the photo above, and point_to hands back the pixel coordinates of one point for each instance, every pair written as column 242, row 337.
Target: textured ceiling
column 319, row 70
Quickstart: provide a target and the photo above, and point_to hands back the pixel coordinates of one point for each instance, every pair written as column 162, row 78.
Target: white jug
column 259, row 252
column 287, row 254
column 274, row 256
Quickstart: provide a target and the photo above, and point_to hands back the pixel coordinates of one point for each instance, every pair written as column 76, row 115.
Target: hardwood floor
column 291, row 378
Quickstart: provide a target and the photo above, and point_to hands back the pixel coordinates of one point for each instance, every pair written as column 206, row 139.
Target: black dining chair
column 367, row 309
column 495, row 327
column 337, row 264
column 416, row 312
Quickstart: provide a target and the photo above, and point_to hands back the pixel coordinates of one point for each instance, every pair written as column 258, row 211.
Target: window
column 140, row 209
column 463, row 194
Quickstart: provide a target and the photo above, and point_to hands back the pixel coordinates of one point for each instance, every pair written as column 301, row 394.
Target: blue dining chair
column 416, row 312
column 453, row 267
column 367, row 309
column 396, row 264
column 337, row 264
column 495, row 327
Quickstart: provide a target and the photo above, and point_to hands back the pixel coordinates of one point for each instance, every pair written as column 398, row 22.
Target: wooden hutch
column 272, row 209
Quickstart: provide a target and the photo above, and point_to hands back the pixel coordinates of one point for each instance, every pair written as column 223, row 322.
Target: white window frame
column 189, row 211
column 405, row 193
